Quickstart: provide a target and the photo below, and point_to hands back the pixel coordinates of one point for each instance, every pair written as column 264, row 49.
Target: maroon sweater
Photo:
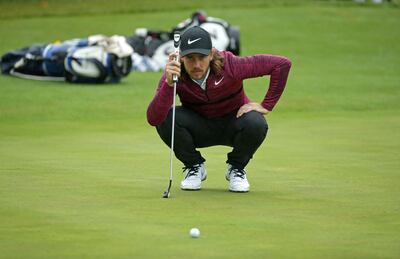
column 224, row 93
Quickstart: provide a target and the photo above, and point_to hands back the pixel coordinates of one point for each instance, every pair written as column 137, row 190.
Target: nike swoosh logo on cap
column 193, row 41
column 219, row 81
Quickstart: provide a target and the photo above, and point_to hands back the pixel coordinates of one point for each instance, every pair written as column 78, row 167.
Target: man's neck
column 202, row 82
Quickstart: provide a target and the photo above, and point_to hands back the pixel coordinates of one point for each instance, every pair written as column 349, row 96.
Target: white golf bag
column 153, row 47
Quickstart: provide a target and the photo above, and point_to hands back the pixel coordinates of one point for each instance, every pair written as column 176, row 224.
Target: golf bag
column 153, row 47
column 97, row 59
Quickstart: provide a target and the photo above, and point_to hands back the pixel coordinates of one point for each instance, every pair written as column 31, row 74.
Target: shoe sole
column 238, row 191
column 187, row 189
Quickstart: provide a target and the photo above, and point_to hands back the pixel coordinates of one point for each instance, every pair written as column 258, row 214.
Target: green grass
column 82, row 173
column 47, row 8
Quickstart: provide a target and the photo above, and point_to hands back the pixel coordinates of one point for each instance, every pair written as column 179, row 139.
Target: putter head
column 166, row 194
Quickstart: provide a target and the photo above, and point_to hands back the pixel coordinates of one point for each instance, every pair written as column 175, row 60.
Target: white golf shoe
column 237, row 179
column 193, row 177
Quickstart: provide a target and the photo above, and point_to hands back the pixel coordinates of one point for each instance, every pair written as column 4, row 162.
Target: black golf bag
column 153, row 47
column 97, row 59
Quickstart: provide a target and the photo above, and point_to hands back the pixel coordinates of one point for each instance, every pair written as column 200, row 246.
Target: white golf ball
column 195, row 232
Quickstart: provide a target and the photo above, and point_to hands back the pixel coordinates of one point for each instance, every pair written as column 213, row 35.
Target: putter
column 167, row 193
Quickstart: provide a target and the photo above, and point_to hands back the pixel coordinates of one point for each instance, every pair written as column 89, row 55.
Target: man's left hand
column 251, row 107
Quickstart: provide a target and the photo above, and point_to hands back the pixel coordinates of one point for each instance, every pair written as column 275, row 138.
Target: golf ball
column 195, row 232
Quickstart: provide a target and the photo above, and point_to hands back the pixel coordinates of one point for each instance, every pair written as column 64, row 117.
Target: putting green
column 82, row 173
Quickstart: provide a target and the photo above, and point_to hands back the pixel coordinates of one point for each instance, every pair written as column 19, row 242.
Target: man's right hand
column 173, row 67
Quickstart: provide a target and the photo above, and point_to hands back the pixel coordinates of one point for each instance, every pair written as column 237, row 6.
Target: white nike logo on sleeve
column 193, row 41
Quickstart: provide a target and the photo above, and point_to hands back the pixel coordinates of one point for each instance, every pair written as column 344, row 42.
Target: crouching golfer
column 215, row 109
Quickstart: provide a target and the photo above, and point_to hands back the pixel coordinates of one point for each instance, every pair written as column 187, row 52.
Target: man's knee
column 183, row 119
column 255, row 124
column 164, row 129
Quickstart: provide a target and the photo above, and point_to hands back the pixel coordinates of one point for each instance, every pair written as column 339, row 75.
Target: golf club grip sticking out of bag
column 177, row 38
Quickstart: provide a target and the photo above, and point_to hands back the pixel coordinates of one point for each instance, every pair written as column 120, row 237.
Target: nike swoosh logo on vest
column 219, row 81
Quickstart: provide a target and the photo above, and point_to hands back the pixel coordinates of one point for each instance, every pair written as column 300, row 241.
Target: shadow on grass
column 223, row 191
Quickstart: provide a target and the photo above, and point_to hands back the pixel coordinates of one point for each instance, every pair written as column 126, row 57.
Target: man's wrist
column 166, row 81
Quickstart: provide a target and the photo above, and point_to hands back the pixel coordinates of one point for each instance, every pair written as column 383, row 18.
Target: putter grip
column 177, row 39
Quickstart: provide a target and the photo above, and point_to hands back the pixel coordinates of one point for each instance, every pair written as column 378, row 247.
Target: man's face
column 196, row 65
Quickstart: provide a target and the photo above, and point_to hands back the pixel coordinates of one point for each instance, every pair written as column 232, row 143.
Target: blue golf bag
column 97, row 59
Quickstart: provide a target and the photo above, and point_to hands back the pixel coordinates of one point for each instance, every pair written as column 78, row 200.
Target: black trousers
column 245, row 134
